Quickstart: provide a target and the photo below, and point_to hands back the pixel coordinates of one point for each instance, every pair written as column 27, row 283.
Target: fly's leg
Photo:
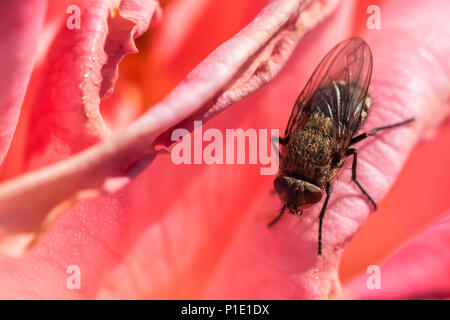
column 281, row 141
column 354, row 153
column 372, row 132
column 281, row 213
column 277, row 217
column 328, row 190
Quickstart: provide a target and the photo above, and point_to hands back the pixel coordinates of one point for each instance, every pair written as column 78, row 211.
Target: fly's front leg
column 354, row 153
column 277, row 217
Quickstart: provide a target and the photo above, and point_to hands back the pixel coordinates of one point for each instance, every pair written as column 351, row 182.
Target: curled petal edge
column 234, row 70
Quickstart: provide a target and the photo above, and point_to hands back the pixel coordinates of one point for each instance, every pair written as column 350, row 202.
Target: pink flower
column 83, row 185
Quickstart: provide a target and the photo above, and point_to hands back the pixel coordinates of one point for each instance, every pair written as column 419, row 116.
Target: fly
column 322, row 128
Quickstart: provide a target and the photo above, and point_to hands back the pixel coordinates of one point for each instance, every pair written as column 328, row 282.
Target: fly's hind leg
column 372, row 132
column 354, row 153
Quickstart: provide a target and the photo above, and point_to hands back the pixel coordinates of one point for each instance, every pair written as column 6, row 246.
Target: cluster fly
column 321, row 131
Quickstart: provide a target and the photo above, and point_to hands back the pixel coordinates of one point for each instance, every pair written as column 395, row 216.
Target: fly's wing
column 346, row 72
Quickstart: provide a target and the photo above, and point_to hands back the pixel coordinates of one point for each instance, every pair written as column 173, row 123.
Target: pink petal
column 124, row 155
column 418, row 270
column 172, row 37
column 20, row 23
column 408, row 70
column 166, row 234
column 80, row 70
column 406, row 209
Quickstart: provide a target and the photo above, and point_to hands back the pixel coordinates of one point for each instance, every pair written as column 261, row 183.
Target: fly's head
column 296, row 194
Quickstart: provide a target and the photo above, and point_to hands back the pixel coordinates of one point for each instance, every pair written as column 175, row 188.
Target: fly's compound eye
column 312, row 193
column 280, row 184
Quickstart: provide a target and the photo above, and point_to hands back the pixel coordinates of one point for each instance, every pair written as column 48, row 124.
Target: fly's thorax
column 296, row 194
column 310, row 152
